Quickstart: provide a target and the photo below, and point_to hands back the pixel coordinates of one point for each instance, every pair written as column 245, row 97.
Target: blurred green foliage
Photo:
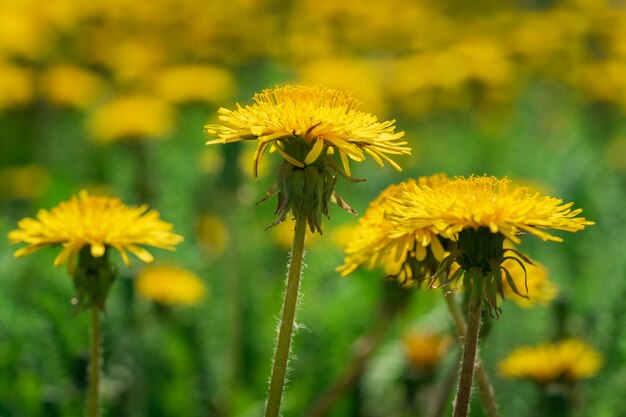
column 534, row 90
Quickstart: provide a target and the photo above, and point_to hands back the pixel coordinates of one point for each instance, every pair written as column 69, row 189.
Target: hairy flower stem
column 485, row 389
column 283, row 345
column 476, row 289
column 93, row 402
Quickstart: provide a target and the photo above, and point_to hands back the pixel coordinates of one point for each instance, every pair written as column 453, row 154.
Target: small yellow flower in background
column 566, row 361
column 535, row 278
column 352, row 74
column 213, row 234
column 282, row 234
column 22, row 31
column 96, row 223
column 171, row 285
column 323, row 118
column 375, row 243
column 424, row 350
column 25, row 182
column 131, row 118
column 73, row 86
column 16, row 86
column 187, row 83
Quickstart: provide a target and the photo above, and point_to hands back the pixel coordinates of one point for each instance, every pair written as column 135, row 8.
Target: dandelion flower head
column 324, row 120
column 94, row 222
column 170, row 285
column 533, row 277
column 568, row 361
column 424, row 350
column 482, row 202
column 374, row 243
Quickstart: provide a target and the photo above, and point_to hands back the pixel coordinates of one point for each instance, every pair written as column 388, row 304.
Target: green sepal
column 92, row 279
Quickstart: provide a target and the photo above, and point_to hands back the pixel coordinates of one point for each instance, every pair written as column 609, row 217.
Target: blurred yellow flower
column 375, row 242
column 424, row 350
column 603, row 81
column 98, row 223
column 187, row 83
column 282, row 234
column 350, row 74
column 132, row 59
column 320, row 117
column 213, row 234
column 131, row 118
column 540, row 289
column 481, row 202
column 16, row 86
column 22, row 31
column 73, row 86
column 25, row 182
column 171, row 285
column 567, row 361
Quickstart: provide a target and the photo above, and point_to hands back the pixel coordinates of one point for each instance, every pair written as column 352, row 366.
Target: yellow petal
column 315, row 152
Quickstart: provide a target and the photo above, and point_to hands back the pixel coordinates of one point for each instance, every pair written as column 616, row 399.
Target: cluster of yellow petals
column 324, row 118
column 98, row 222
column 476, row 202
column 171, row 285
column 372, row 244
column 569, row 360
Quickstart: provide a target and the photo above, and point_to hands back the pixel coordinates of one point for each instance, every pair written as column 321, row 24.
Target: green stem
column 283, row 345
column 485, row 389
column 476, row 287
column 94, row 374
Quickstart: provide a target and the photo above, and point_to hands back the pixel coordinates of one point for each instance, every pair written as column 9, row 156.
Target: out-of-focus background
column 112, row 96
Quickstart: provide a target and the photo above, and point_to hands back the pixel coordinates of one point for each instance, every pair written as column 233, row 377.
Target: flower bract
column 374, row 242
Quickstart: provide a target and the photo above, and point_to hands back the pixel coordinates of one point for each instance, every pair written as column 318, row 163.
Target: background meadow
column 112, row 96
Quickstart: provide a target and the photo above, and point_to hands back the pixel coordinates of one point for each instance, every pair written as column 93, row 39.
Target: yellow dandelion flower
column 282, row 235
column 73, row 86
column 424, row 350
column 482, row 202
column 479, row 213
column 25, row 182
column 171, row 285
column 322, row 118
column 568, row 361
column 16, row 86
column 97, row 223
column 372, row 243
column 531, row 281
column 131, row 117
column 213, row 234
column 305, row 125
column 194, row 83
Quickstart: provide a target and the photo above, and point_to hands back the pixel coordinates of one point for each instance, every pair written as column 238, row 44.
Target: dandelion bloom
column 568, row 361
column 97, row 223
column 317, row 118
column 170, row 285
column 131, row 118
column 532, row 286
column 425, row 350
column 374, row 242
column 483, row 202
